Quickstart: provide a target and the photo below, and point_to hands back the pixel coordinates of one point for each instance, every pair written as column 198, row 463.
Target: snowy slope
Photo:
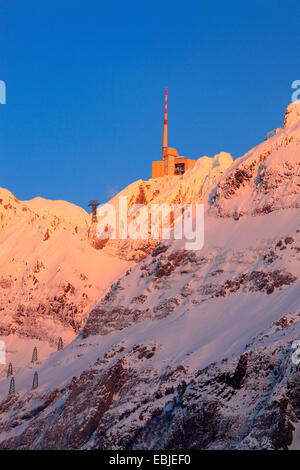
column 50, row 276
column 66, row 211
column 188, row 349
column 193, row 186
column 266, row 178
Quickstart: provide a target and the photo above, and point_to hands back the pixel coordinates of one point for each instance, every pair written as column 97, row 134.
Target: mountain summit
column 292, row 115
column 170, row 348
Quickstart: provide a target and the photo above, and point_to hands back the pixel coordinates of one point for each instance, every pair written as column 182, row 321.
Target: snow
column 35, row 269
column 296, row 438
column 201, row 329
column 208, row 332
column 62, row 209
column 19, row 352
column 292, row 115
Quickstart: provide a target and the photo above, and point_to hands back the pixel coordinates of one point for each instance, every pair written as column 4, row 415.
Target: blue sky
column 85, row 87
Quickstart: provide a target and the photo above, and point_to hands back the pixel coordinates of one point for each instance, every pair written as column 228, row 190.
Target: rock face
column 292, row 115
column 49, row 274
column 186, row 349
column 189, row 188
column 267, row 178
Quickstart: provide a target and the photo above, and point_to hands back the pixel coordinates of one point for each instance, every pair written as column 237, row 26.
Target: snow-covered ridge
column 266, row 178
column 192, row 187
column 64, row 210
column 49, row 273
column 182, row 340
column 43, row 212
column 292, row 115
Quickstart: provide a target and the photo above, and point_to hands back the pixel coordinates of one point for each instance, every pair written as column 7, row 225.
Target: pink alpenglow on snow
column 158, row 338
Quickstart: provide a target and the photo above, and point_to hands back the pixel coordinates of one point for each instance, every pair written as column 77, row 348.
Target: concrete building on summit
column 171, row 163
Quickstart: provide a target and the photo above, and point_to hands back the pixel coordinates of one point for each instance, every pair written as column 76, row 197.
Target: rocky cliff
column 186, row 349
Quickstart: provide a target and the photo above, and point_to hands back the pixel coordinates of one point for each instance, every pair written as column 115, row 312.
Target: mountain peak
column 292, row 114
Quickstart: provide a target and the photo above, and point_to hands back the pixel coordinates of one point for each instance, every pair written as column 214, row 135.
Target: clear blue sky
column 85, row 86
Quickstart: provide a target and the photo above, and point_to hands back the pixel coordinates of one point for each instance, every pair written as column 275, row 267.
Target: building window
column 179, row 168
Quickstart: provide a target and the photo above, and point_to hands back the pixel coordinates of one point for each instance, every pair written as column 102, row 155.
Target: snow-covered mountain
column 189, row 188
column 50, row 276
column 267, row 178
column 187, row 349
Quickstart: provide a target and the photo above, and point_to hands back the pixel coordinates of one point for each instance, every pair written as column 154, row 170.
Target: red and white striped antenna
column 165, row 137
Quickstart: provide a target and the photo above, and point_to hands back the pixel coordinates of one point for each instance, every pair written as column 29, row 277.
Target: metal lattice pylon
column 34, row 355
column 10, row 369
column 35, row 382
column 12, row 386
column 60, row 345
column 94, row 204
